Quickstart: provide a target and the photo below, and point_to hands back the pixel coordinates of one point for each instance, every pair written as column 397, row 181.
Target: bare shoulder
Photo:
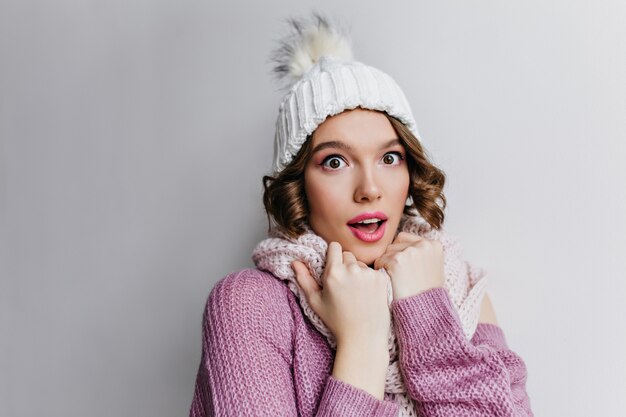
column 487, row 312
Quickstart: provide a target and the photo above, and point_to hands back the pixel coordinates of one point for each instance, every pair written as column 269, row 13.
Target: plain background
column 133, row 139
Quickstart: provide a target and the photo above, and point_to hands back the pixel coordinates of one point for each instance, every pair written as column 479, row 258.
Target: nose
column 367, row 188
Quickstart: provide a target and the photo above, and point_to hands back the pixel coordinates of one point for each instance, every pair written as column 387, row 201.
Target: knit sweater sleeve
column 246, row 363
column 446, row 374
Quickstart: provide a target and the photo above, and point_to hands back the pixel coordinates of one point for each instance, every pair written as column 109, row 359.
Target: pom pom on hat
column 308, row 41
column 322, row 79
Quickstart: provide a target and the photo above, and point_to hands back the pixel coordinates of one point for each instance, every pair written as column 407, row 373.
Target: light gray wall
column 133, row 138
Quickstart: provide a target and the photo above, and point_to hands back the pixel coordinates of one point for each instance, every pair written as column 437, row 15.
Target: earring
column 409, row 201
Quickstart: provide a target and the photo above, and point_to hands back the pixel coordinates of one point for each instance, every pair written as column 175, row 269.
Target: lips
column 364, row 216
column 368, row 232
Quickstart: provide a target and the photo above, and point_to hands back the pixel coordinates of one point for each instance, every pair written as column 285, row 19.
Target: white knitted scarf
column 464, row 282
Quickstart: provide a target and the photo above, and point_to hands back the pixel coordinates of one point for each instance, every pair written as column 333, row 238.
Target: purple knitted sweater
column 262, row 357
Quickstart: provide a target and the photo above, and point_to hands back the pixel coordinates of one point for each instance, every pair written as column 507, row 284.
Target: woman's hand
column 415, row 264
column 352, row 301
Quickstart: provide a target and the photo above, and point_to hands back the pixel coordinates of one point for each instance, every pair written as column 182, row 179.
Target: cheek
column 397, row 185
column 404, row 189
column 325, row 197
column 321, row 198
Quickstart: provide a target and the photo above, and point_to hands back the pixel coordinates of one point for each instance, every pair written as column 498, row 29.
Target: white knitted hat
column 323, row 80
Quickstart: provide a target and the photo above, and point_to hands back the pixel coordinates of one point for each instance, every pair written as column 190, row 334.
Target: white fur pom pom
column 306, row 44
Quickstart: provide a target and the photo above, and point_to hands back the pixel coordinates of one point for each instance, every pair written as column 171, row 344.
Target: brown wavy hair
column 286, row 204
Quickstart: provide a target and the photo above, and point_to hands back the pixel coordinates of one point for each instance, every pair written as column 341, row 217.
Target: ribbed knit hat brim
column 325, row 83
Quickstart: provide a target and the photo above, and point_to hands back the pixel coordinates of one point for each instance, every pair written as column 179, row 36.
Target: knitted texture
column 464, row 282
column 323, row 79
column 261, row 356
column 328, row 88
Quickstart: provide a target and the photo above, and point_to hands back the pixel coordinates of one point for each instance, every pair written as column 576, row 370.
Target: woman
column 360, row 303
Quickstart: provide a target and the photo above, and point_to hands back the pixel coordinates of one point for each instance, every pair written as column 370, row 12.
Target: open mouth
column 367, row 227
column 368, row 232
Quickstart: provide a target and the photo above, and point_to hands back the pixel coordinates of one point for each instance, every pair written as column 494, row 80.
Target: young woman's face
column 358, row 167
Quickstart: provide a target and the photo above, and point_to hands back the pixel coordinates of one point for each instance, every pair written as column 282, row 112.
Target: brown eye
column 388, row 159
column 333, row 162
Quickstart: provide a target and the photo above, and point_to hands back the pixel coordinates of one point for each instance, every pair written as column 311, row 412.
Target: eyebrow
column 342, row 145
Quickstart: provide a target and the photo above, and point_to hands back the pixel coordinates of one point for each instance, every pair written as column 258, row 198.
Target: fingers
column 405, row 237
column 396, row 247
column 305, row 280
column 380, row 262
column 333, row 254
column 348, row 258
column 404, row 240
column 336, row 255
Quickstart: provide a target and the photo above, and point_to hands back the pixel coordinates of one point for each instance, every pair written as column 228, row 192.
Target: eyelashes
column 330, row 158
column 340, row 158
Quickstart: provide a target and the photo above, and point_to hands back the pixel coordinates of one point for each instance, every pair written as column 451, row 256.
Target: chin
column 368, row 255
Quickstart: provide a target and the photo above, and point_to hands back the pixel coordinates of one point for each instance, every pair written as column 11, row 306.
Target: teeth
column 374, row 220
